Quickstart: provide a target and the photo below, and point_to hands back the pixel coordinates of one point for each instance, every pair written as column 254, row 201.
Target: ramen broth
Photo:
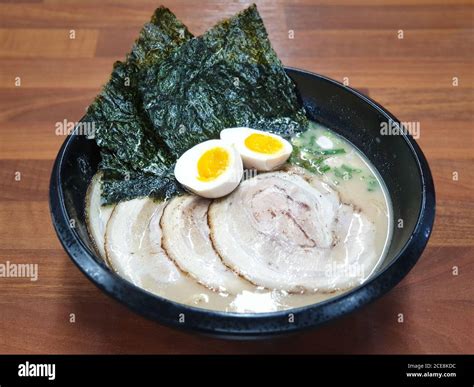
column 338, row 164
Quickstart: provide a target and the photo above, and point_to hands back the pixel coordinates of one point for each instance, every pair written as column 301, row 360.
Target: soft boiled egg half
column 260, row 150
column 210, row 169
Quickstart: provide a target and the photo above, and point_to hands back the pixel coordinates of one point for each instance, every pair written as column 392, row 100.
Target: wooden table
column 412, row 77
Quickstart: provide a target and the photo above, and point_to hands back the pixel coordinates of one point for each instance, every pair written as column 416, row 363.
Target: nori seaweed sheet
column 228, row 77
column 135, row 162
column 174, row 91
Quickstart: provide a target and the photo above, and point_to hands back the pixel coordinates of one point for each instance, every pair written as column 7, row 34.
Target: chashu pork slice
column 288, row 230
column 186, row 240
column 97, row 215
column 133, row 244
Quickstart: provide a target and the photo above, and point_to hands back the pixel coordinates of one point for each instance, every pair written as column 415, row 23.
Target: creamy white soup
column 308, row 231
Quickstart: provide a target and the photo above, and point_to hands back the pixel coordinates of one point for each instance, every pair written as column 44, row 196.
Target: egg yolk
column 263, row 143
column 212, row 164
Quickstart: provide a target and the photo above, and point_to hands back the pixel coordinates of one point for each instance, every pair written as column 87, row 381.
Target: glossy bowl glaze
column 398, row 159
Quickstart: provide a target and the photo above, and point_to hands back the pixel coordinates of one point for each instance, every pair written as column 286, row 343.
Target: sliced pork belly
column 288, row 230
column 133, row 244
column 186, row 240
column 97, row 215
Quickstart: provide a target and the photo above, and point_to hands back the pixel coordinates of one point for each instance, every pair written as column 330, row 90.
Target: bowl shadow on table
column 363, row 331
column 115, row 329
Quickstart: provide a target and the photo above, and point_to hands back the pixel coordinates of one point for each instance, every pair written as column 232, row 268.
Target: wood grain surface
column 412, row 77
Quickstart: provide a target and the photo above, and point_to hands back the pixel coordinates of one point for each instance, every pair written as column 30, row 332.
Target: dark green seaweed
column 135, row 162
column 228, row 77
column 174, row 91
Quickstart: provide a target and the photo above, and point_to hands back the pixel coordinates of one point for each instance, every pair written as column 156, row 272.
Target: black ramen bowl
column 398, row 159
